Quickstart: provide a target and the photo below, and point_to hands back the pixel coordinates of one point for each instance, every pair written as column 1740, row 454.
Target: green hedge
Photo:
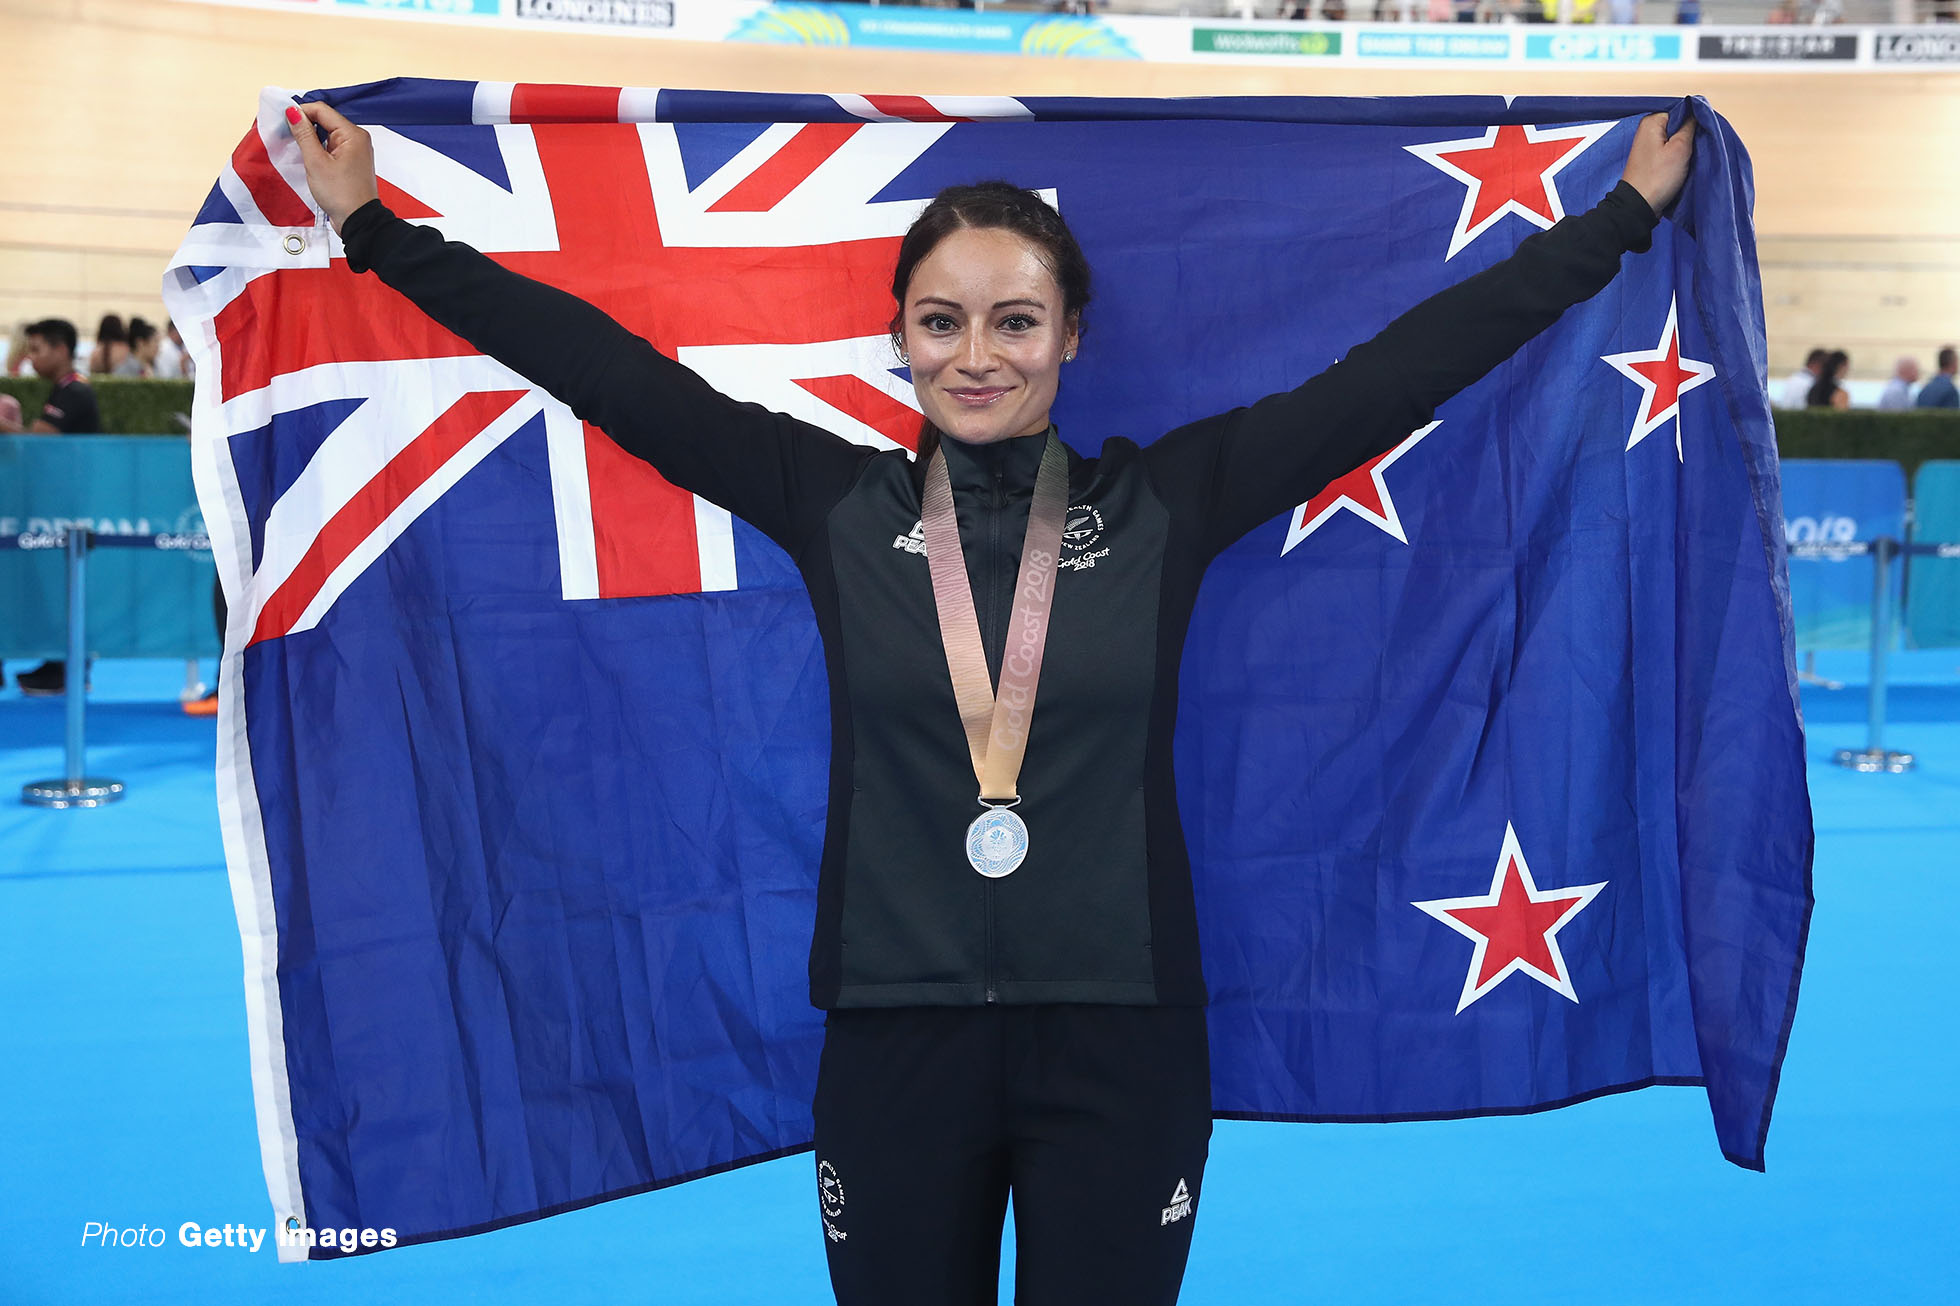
column 151, row 407
column 129, row 407
column 1911, row 437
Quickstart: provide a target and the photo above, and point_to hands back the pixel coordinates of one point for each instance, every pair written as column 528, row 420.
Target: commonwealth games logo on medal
column 996, row 842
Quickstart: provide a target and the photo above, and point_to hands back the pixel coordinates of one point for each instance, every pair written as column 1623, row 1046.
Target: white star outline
column 1433, row 152
column 1297, row 531
column 1559, row 982
column 1645, row 424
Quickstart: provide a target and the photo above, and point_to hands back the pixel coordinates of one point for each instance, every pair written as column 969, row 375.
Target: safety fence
column 1869, row 567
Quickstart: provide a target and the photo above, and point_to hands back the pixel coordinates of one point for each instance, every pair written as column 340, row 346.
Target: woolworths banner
column 1187, row 40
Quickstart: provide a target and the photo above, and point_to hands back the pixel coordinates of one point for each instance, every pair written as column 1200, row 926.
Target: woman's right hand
column 340, row 173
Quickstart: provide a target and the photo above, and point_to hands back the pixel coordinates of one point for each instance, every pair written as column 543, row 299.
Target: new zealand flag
column 1489, row 761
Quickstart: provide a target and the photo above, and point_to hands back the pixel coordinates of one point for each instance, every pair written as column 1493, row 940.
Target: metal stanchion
column 74, row 789
column 1874, row 756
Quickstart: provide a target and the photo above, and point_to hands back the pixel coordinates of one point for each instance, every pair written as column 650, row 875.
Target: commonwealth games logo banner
column 1489, row 759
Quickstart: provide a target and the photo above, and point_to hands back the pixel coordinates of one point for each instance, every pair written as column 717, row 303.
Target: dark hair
column 1949, row 358
column 56, row 331
column 998, row 205
column 111, row 331
column 1816, row 357
column 1825, row 387
column 140, row 329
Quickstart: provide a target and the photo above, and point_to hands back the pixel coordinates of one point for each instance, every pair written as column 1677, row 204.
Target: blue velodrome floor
column 124, row 1096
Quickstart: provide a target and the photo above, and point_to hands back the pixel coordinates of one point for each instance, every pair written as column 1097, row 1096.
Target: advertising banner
column 1780, row 47
column 657, row 14
column 893, row 27
column 1830, row 501
column 1623, row 46
column 141, row 602
column 448, row 8
column 1475, row 46
column 1927, row 46
column 1264, row 40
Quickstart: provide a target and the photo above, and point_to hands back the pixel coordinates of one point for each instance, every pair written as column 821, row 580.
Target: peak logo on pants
column 1180, row 1205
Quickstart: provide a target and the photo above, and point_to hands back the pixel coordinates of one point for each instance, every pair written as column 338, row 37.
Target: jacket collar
column 1017, row 460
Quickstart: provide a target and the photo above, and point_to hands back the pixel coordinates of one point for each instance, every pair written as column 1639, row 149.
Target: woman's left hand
column 1658, row 163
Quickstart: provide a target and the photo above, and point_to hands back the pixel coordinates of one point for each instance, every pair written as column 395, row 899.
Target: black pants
column 1097, row 1117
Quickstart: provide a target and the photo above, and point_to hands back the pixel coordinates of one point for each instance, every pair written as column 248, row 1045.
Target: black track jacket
column 1102, row 909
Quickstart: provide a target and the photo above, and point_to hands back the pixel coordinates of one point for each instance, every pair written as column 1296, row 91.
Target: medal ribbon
column 996, row 724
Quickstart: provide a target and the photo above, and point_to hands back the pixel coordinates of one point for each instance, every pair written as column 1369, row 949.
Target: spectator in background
column 111, row 345
column 1623, row 13
column 144, row 341
column 17, row 352
column 1784, row 12
column 1687, row 13
column 69, row 409
column 1334, row 11
column 173, row 360
column 1795, row 390
column 1898, row 391
column 1825, row 392
column 1940, row 392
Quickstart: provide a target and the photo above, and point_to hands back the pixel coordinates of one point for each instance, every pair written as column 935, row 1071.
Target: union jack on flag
column 522, row 749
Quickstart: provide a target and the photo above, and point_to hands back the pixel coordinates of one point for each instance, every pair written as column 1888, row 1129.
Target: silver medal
column 996, row 842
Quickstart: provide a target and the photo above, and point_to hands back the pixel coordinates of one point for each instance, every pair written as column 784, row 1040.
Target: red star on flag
column 1515, row 926
column 1362, row 492
column 1663, row 377
column 1509, row 169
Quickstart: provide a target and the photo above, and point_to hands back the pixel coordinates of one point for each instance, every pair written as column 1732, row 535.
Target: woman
column 144, row 341
column 1038, row 1026
column 111, row 345
column 1825, row 392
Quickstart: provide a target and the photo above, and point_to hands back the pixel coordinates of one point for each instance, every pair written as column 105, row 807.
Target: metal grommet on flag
column 295, row 243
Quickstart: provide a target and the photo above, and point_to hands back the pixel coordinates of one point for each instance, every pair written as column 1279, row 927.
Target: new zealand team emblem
column 1081, row 530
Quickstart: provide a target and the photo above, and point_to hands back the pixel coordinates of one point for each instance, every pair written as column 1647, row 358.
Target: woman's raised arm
column 1243, row 467
column 777, row 473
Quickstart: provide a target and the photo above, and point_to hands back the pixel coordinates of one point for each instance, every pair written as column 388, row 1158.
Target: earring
column 1069, row 357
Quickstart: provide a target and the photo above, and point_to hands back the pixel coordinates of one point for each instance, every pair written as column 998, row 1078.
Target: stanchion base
column 90, row 792
column 1874, row 759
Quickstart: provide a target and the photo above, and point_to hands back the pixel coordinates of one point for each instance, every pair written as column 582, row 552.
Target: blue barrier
column 150, row 597
column 1829, row 504
column 1933, row 592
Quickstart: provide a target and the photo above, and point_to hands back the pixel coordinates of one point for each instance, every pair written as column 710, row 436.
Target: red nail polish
column 293, row 115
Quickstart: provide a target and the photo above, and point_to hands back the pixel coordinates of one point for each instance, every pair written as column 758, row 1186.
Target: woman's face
column 985, row 335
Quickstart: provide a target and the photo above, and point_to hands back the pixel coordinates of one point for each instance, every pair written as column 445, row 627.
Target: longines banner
column 994, row 30
column 1932, row 45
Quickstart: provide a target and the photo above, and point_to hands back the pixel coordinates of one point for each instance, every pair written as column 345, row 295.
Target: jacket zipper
column 993, row 617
